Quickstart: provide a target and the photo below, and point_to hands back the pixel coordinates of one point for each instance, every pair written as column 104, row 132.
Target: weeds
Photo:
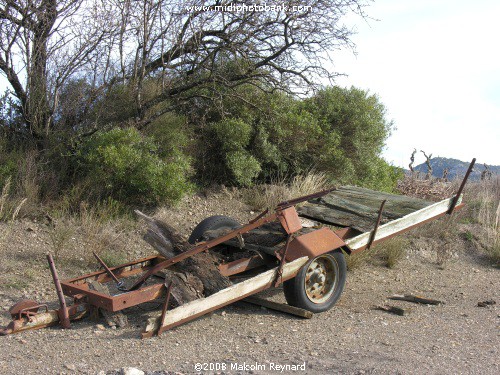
column 489, row 217
column 9, row 208
column 113, row 258
column 269, row 195
column 356, row 260
column 60, row 235
column 392, row 251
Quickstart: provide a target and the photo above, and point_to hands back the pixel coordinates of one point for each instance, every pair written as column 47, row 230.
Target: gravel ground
column 453, row 338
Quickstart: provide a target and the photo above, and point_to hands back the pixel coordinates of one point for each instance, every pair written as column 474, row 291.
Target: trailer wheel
column 212, row 223
column 319, row 284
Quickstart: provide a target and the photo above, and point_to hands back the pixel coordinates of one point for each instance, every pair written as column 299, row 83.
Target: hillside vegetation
column 456, row 168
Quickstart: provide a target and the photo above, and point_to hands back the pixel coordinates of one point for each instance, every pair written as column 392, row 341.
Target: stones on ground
column 486, row 303
column 131, row 371
column 393, row 310
column 70, row 366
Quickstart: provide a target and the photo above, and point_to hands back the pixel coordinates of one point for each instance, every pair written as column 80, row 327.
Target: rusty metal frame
column 204, row 246
column 461, row 188
column 377, row 223
column 279, row 275
column 79, row 286
column 63, row 311
column 165, row 308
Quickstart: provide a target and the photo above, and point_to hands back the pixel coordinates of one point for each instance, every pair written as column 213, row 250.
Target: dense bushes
column 244, row 137
column 338, row 131
column 126, row 165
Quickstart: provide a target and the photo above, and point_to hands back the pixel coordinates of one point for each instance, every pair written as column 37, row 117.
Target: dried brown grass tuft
column 434, row 189
column 392, row 251
column 269, row 195
column 10, row 207
column 488, row 215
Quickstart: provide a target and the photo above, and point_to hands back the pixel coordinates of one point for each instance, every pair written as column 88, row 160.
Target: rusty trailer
column 301, row 247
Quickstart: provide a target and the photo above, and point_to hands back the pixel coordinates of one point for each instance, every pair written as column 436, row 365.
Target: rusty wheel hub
column 321, row 278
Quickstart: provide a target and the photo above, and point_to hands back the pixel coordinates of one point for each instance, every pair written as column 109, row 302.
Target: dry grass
column 357, row 260
column 9, row 207
column 392, row 251
column 103, row 227
column 482, row 206
column 269, row 195
column 488, row 215
column 434, row 189
column 60, row 235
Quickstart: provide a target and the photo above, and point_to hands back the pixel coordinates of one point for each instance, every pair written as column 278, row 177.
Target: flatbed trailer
column 303, row 248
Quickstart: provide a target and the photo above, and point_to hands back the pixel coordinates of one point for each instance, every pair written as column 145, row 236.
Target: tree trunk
column 193, row 277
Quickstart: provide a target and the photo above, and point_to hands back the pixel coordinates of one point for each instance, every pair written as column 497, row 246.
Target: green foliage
column 355, row 129
column 232, row 137
column 338, row 131
column 127, row 166
column 232, row 134
column 244, row 167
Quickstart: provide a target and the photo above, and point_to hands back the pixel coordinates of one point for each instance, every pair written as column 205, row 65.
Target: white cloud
column 436, row 67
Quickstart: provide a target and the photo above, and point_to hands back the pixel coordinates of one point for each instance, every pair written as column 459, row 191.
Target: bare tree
column 445, row 175
column 189, row 49
column 43, row 43
column 412, row 160
column 486, row 173
column 167, row 52
column 428, row 163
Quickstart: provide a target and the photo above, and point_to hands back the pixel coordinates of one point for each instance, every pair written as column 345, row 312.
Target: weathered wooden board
column 282, row 307
column 116, row 319
column 356, row 207
column 202, row 306
column 403, row 223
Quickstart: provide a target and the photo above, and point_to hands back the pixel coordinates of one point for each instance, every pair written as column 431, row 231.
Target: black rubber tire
column 212, row 223
column 295, row 289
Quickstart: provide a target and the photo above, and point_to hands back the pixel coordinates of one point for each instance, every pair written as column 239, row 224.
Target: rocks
column 131, row 371
column 70, row 366
column 486, row 303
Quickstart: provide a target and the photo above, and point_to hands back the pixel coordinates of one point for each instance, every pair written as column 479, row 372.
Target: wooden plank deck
column 355, row 207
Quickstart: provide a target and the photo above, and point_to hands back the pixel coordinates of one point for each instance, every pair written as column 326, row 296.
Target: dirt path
column 352, row 338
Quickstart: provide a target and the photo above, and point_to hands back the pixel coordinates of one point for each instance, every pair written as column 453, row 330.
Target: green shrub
column 244, row 167
column 8, row 163
column 231, row 138
column 233, row 134
column 337, row 131
column 127, row 166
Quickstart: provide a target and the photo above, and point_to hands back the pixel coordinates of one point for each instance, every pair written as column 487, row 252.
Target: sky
column 436, row 67
column 435, row 64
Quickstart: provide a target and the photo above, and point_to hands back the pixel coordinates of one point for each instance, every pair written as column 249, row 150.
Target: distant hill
column 455, row 168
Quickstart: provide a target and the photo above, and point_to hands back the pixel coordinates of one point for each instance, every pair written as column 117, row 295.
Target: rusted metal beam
column 43, row 319
column 461, row 188
column 63, row 310
column 165, row 308
column 377, row 224
column 242, row 265
column 119, row 283
column 279, row 273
